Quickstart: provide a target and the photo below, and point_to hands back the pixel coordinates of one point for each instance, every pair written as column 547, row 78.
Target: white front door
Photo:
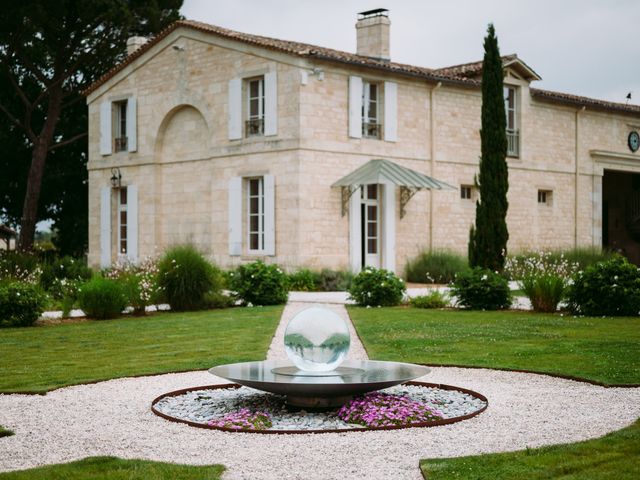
column 370, row 226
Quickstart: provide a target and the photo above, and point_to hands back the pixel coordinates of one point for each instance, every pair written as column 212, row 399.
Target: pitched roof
column 474, row 69
column 457, row 74
column 385, row 171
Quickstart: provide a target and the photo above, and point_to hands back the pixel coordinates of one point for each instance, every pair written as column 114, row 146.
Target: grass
column 4, row 432
column 615, row 456
column 599, row 349
column 110, row 468
column 438, row 266
column 38, row 359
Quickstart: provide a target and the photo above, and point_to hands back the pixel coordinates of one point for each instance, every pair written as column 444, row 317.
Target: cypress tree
column 488, row 240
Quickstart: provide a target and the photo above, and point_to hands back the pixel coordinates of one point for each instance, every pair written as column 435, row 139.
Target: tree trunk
column 36, row 171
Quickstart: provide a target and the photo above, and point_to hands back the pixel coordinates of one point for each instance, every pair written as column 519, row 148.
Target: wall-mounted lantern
column 116, row 177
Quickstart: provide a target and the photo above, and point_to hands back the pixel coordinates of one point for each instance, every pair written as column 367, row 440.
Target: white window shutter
column 132, row 223
column 269, row 215
column 390, row 111
column 270, row 104
column 105, row 128
column 235, row 216
column 355, row 232
column 132, row 125
column 389, row 227
column 105, row 227
column 355, row 107
column 235, row 109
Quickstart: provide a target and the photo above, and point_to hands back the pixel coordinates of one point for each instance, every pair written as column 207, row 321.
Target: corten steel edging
column 434, row 423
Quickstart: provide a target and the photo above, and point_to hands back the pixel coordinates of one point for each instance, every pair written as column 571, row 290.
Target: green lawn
column 4, row 432
column 615, row 456
column 110, row 468
column 600, row 349
column 38, row 359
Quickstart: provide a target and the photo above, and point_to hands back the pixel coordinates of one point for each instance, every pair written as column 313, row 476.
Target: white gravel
column 114, row 418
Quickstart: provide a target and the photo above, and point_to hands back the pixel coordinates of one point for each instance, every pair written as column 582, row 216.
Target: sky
column 583, row 47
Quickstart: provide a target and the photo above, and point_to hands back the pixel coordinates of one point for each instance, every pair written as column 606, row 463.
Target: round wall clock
column 634, row 141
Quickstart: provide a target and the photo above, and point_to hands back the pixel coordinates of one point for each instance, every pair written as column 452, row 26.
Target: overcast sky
column 584, row 47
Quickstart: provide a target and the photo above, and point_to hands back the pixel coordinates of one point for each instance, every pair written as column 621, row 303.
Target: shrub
column 562, row 262
column 18, row 266
column 335, row 280
column 304, row 280
column 545, row 291
column 259, row 284
column 481, row 289
column 186, row 277
column 21, row 304
column 140, row 282
column 65, row 268
column 438, row 266
column 434, row 299
column 102, row 298
column 606, row 288
column 376, row 287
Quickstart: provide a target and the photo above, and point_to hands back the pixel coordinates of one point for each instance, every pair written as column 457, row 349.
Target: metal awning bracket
column 406, row 193
column 347, row 191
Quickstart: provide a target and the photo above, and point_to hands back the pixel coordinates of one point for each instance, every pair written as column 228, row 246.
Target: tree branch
column 18, row 123
column 67, row 142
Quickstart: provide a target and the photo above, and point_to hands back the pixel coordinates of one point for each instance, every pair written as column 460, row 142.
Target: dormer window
column 511, row 110
column 254, row 125
column 371, row 123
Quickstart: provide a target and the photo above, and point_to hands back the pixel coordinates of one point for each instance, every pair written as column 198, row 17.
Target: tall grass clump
column 437, row 266
column 187, row 278
column 102, row 298
column 543, row 277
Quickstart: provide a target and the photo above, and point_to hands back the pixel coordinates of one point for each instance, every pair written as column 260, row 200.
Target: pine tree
column 488, row 240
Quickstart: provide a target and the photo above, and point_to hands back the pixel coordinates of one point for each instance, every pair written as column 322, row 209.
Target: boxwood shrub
column 376, row 287
column 21, row 303
column 257, row 283
column 606, row 288
column 481, row 289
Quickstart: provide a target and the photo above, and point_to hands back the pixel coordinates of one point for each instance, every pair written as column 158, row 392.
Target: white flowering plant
column 257, row 283
column 140, row 281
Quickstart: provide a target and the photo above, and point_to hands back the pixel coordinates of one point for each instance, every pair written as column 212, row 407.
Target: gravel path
column 114, row 418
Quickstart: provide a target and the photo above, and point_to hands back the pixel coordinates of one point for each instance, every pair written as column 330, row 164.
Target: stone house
column 257, row 148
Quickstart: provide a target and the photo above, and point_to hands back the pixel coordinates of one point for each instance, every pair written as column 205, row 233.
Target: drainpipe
column 433, row 159
column 575, row 180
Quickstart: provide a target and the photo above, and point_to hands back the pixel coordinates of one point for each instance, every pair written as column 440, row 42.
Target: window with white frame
column 122, row 220
column 371, row 118
column 254, row 125
column 119, row 125
column 511, row 111
column 255, row 214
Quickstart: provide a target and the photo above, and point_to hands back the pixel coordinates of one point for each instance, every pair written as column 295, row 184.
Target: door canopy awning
column 380, row 171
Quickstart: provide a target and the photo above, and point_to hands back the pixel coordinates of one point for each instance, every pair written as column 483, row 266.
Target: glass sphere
column 317, row 340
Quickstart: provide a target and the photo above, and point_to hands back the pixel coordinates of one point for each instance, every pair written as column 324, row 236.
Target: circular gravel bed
column 198, row 406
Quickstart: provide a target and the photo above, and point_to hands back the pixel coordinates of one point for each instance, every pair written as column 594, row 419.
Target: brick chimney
column 373, row 33
column 134, row 43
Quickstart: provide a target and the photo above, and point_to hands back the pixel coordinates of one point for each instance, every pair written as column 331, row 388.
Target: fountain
column 313, row 384
column 317, row 341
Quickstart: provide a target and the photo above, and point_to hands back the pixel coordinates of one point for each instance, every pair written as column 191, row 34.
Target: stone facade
column 185, row 160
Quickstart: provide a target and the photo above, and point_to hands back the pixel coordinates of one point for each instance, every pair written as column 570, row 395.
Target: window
column 371, row 126
column 120, row 126
column 255, row 190
column 254, row 124
column 465, row 192
column 122, row 220
column 544, row 197
column 511, row 110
